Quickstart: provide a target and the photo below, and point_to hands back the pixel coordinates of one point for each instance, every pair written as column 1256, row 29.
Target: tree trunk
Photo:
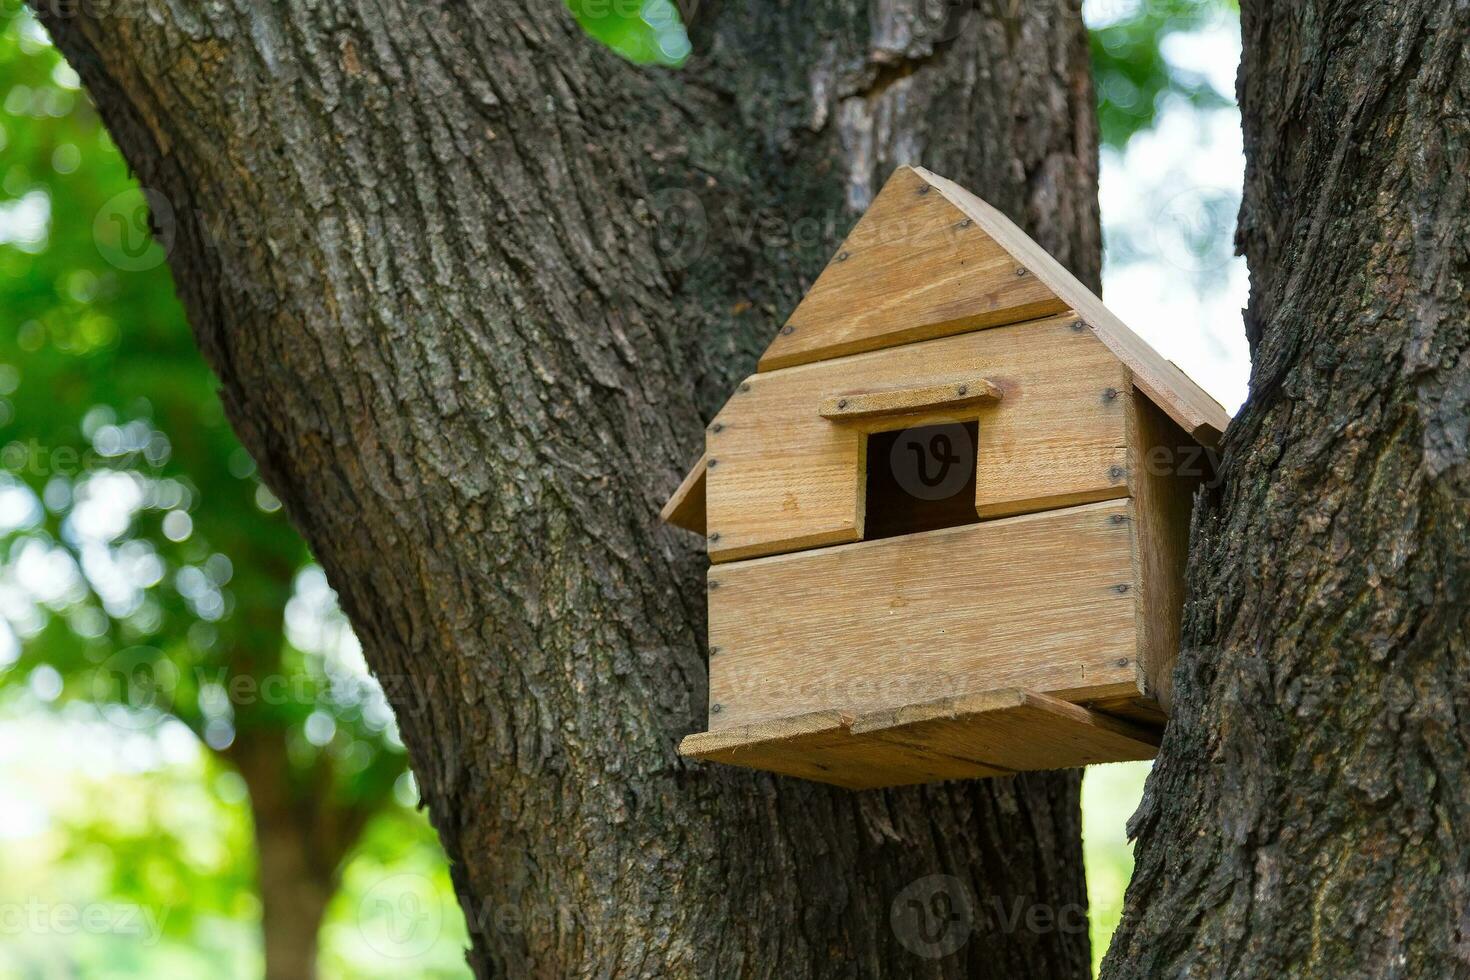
column 301, row 837
column 1308, row 813
column 473, row 286
column 292, row 900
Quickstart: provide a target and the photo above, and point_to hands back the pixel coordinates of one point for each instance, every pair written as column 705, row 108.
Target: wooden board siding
column 1165, row 470
column 686, row 507
column 1044, row 602
column 929, row 259
column 1161, row 380
column 780, row 477
column 914, row 267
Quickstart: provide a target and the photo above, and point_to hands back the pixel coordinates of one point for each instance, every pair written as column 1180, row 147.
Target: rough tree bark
column 472, row 286
column 1309, row 814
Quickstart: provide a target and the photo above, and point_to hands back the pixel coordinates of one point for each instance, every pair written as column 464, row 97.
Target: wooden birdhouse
column 947, row 517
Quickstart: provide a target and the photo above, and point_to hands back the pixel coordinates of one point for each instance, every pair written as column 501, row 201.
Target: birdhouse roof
column 929, row 259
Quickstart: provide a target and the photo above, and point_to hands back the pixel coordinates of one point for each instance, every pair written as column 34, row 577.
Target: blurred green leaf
column 1130, row 71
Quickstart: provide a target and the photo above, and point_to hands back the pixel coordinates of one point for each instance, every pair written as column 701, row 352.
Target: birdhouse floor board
column 994, row 733
column 1046, row 602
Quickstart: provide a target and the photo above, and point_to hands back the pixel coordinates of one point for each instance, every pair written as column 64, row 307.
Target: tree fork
column 487, row 283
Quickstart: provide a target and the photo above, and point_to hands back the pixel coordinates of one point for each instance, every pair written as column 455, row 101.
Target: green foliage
column 158, row 569
column 396, row 910
column 1109, row 795
column 648, row 32
column 145, row 866
column 147, row 578
column 1130, row 71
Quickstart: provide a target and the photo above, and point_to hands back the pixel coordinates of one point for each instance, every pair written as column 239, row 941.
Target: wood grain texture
column 1165, row 468
column 783, row 478
column 915, row 267
column 973, row 736
column 686, row 505
column 1160, row 379
column 854, row 406
column 1045, row 602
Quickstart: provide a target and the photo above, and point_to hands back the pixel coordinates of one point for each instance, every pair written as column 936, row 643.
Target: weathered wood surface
column 785, row 478
column 1165, row 468
column 973, row 736
column 686, row 505
column 1160, row 379
column 915, row 267
column 1045, row 602
column 885, row 404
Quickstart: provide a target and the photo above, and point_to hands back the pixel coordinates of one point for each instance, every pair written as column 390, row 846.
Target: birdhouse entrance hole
column 921, row 479
column 884, row 612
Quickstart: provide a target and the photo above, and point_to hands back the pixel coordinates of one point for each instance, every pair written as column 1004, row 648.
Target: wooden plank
column 820, row 747
column 861, row 405
column 914, row 267
column 1165, row 469
column 991, row 733
column 784, row 478
column 1161, row 380
column 1011, row 730
column 686, row 507
column 1045, row 602
column 1136, row 709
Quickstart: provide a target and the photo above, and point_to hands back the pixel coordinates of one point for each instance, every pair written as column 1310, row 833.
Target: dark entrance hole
column 921, row 479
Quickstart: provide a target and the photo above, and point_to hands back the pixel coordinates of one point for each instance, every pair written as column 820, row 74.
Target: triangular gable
column 915, row 267
column 1158, row 378
column 929, row 259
